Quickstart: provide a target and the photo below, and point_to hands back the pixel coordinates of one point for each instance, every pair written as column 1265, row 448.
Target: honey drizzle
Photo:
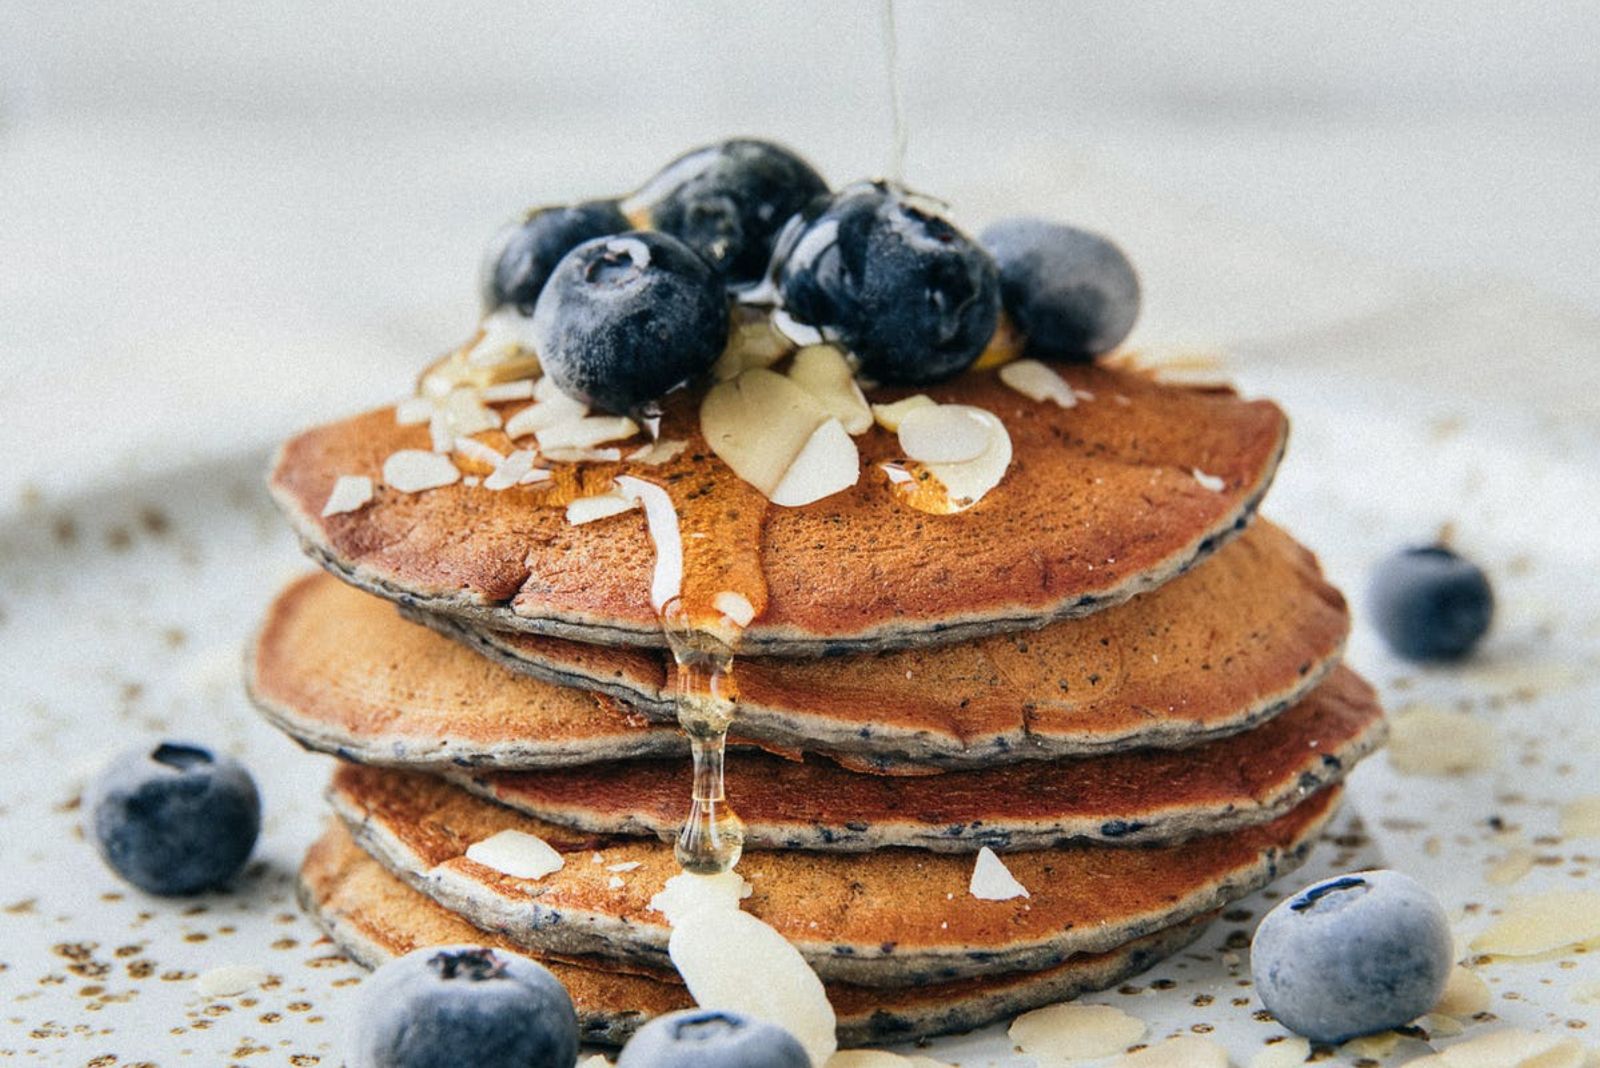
column 897, row 111
column 712, row 837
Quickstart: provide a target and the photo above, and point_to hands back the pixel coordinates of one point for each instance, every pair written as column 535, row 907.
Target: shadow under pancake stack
column 986, row 754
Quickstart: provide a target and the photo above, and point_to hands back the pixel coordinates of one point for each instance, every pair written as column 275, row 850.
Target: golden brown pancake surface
column 1217, row 650
column 888, row 918
column 1101, row 502
column 375, row 917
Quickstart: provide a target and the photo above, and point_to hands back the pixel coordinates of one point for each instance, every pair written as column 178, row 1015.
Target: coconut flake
column 1182, row 1051
column 511, row 470
column 627, row 865
column 1214, row 483
column 888, row 416
column 413, row 411
column 992, row 880
column 230, row 980
column 662, row 519
column 473, row 449
column 658, row 452
column 543, row 414
column 601, row 506
column 1038, row 382
column 1541, row 923
column 586, row 432
column 517, row 854
column 736, row 606
column 1072, row 1031
column 944, row 433
column 1425, row 740
column 414, row 470
column 349, row 493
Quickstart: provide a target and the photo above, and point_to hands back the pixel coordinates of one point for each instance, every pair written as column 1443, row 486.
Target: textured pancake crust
column 1101, row 503
column 889, row 918
column 1144, row 796
column 375, row 917
column 1218, row 650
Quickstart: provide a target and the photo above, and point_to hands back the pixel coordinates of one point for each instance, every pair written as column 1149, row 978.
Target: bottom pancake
column 373, row 916
column 894, row 917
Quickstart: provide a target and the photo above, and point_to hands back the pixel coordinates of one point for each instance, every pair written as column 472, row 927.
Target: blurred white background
column 221, row 220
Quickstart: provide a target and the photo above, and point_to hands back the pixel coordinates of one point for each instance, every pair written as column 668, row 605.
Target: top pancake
column 1101, row 502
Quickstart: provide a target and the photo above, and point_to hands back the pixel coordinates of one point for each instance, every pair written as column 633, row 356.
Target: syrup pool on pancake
column 596, row 323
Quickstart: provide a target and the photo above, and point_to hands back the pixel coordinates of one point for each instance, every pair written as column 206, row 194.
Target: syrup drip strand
column 891, row 62
column 712, row 838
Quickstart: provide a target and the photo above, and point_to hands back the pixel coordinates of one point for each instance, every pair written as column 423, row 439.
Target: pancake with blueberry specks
column 375, row 917
column 893, row 917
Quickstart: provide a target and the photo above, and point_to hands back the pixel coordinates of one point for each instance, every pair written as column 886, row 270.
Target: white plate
column 124, row 611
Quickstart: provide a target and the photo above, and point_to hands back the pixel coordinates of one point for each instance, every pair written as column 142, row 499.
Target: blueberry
column 913, row 297
column 1071, row 293
column 728, row 201
column 624, row 319
column 443, row 1006
column 174, row 818
column 707, row 1038
column 1352, row 955
column 1430, row 604
column 525, row 251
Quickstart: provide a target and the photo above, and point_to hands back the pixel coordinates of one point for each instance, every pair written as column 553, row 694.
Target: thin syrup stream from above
column 712, row 838
column 891, row 62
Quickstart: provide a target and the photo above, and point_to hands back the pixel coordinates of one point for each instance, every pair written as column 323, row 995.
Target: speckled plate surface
column 124, row 610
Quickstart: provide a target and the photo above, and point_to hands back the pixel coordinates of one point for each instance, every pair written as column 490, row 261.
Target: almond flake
column 658, row 452
column 1541, row 923
column 511, row 470
column 736, row 606
column 583, row 456
column 440, row 436
column 413, row 411
column 601, row 506
column 888, row 416
column 969, row 482
column 992, row 880
column 1438, row 1025
column 414, row 470
column 1038, row 382
column 1465, row 994
column 1580, row 817
column 661, row 517
column 1057, row 1034
column 686, row 893
column 350, row 492
column 823, row 372
column 1184, row 1051
column 505, row 338
column 1511, row 1048
column 1214, row 483
column 587, row 432
column 758, row 423
column 627, row 865
column 473, row 449
column 1425, row 740
column 1375, row 1046
column 500, row 392
column 827, row 464
column 879, row 1058
column 230, row 980
column 541, row 414
column 517, row 854
column 1288, row 1053
column 615, row 882
column 467, row 414
column 538, row 474
column 944, row 433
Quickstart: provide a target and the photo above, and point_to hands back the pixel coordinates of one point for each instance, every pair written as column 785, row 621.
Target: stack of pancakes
column 1104, row 671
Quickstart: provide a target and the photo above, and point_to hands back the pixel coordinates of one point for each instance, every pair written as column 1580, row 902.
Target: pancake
column 1218, row 650
column 374, row 917
column 1101, row 502
column 888, row 918
column 1147, row 796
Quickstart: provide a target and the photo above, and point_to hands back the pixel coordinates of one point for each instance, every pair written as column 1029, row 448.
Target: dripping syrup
column 712, row 837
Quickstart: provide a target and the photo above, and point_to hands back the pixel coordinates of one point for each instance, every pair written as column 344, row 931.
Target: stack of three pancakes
column 1104, row 672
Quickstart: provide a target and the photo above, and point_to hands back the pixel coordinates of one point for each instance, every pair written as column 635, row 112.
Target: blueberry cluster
column 630, row 298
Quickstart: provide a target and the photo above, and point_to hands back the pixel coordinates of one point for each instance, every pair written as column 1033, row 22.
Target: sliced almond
column 414, row 470
column 1181, row 1051
column 511, row 471
column 826, row 465
column 1073, row 1031
column 888, row 416
column 665, row 534
column 823, row 372
column 586, row 432
column 558, row 408
column 583, row 456
column 736, row 606
column 517, row 854
column 350, row 492
column 467, row 413
column 944, row 433
column 753, row 342
column 686, row 893
column 413, row 411
column 500, row 392
column 658, row 452
column 1541, row 923
column 505, row 340
column 601, row 506
column 757, row 424
column 967, row 483
column 992, row 880
column 1511, row 1048
column 1038, row 382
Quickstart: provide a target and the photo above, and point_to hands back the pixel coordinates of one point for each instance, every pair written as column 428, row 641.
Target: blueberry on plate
column 525, row 251
column 1071, row 293
column 882, row 273
column 174, row 817
column 1430, row 604
column 728, row 201
column 708, row 1038
column 443, row 1006
column 626, row 318
column 1352, row 955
